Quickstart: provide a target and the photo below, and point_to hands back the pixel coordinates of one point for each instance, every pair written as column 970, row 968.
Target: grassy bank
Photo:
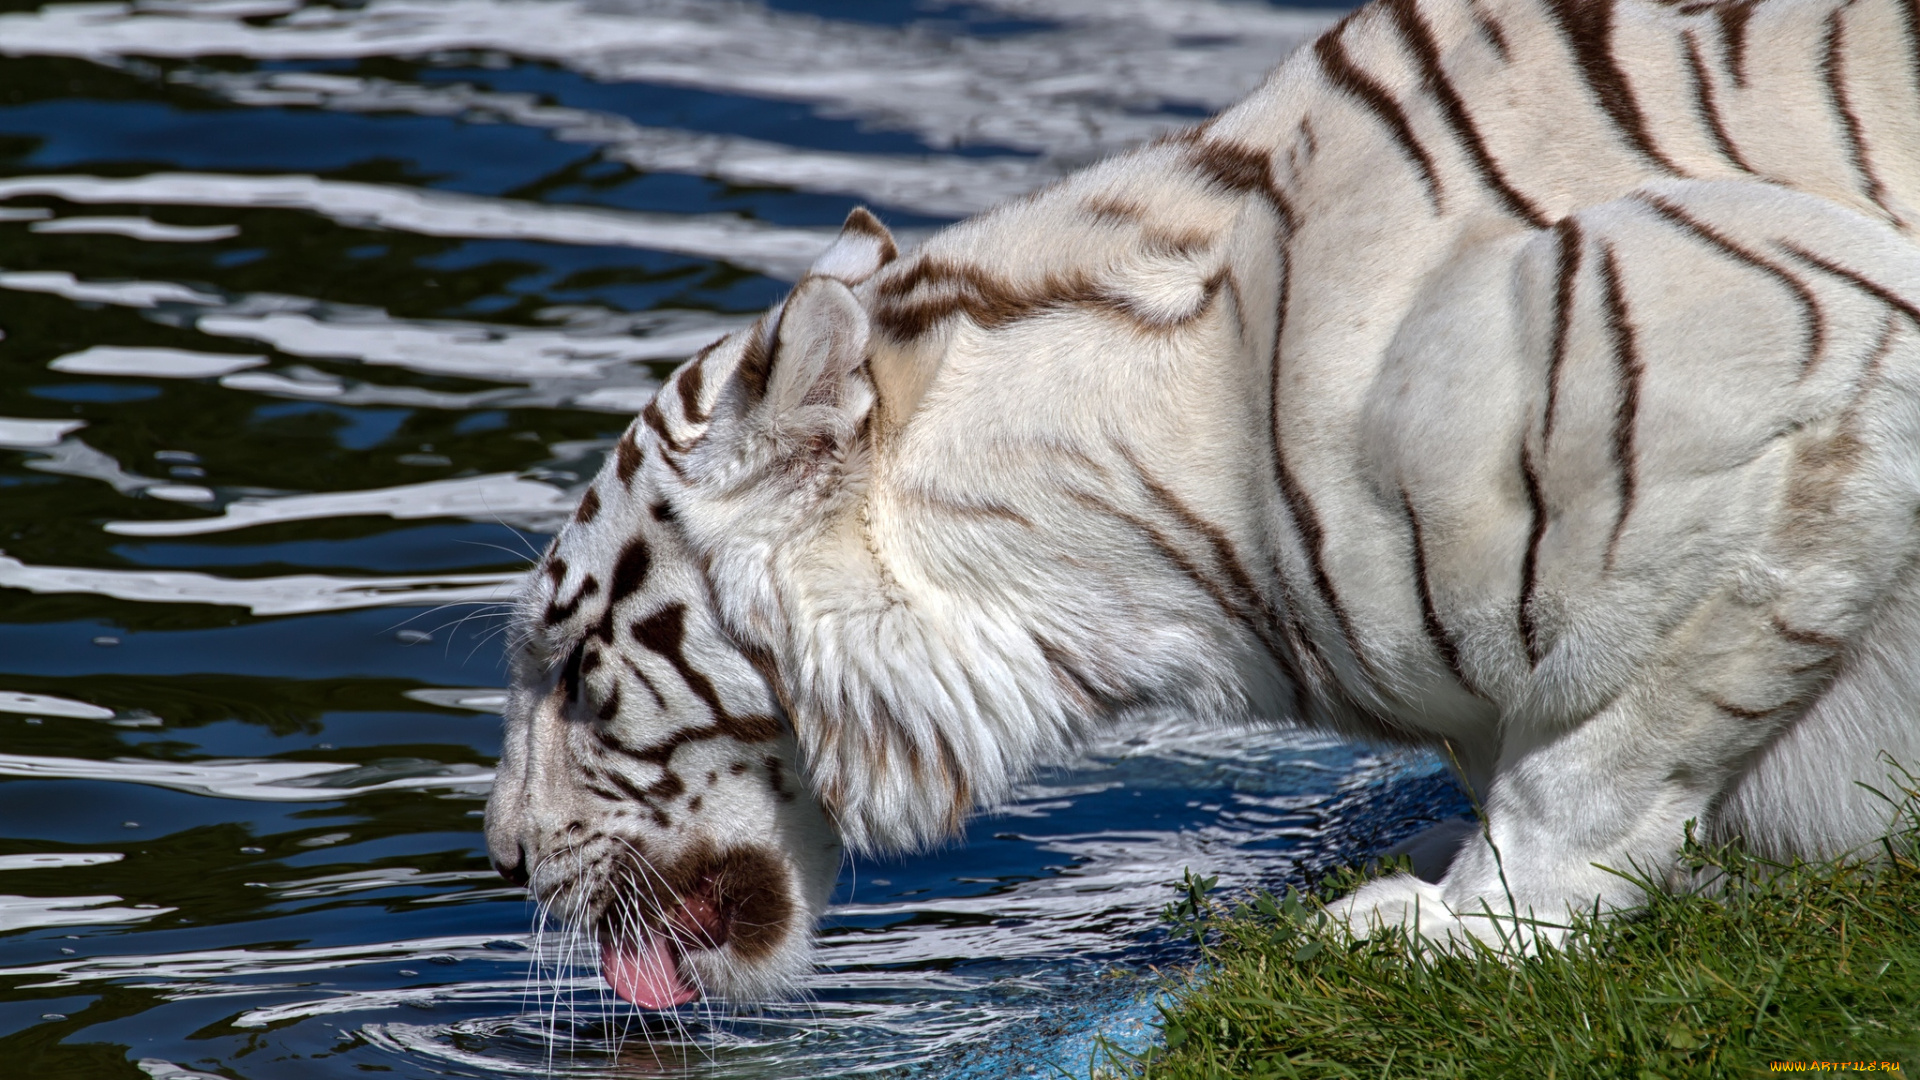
column 1801, row 963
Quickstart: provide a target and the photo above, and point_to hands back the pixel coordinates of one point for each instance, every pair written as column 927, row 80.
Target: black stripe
column 1228, row 559
column 1858, row 280
column 629, row 570
column 1626, row 356
column 1345, row 76
column 692, row 380
column 1530, row 563
column 1426, row 52
column 1062, row 662
column 1709, row 106
column 1816, row 316
column 611, row 745
column 610, row 707
column 1496, row 38
column 1746, row 714
column 1314, row 539
column 627, row 456
column 1807, row 637
column 645, row 681
column 610, row 796
column 1834, row 73
column 1871, row 374
column 1588, row 25
column 1429, row 614
column 756, row 362
column 1169, row 551
column 1301, row 643
column 1241, row 169
column 1911, row 9
column 558, row 613
column 1733, row 16
column 1565, row 275
column 1231, row 166
column 654, row 419
column 664, row 788
column 589, row 507
column 662, row 633
column 569, row 681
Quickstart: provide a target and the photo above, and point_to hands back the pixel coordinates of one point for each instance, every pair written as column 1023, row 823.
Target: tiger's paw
column 1420, row 909
column 1399, row 900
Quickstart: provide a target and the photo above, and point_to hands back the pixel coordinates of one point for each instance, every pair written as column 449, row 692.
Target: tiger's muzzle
column 680, row 840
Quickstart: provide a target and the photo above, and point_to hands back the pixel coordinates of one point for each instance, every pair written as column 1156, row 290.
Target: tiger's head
column 810, row 603
column 651, row 791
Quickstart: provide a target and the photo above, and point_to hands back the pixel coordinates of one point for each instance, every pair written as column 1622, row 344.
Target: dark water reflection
column 314, row 318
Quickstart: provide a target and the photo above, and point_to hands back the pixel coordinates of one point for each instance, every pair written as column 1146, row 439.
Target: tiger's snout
column 672, row 831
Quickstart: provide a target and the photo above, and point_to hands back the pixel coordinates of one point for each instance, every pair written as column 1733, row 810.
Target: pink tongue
column 645, row 973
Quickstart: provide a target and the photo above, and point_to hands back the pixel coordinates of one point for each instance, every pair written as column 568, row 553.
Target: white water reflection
column 1114, row 881
column 269, row 781
column 593, row 344
column 934, row 184
column 1083, row 90
column 152, row 363
column 142, row 294
column 498, row 498
column 73, row 457
column 780, row 251
column 595, row 359
column 311, row 384
column 295, row 594
column 38, row 912
column 478, row 699
column 18, row 434
column 161, row 1069
column 940, row 977
column 469, row 350
column 184, row 972
column 136, row 228
column 508, row 993
column 13, row 701
column 54, row 860
column 364, row 880
column 913, row 993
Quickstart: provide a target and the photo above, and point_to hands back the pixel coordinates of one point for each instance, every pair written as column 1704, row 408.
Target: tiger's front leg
column 1717, row 508
column 1573, row 823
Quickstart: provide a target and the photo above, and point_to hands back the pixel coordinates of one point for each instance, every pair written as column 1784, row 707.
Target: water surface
column 317, row 316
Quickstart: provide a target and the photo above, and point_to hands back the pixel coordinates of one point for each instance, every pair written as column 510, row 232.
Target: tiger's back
column 1536, row 379
column 1567, row 177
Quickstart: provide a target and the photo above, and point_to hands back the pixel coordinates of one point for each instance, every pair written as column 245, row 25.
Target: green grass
column 1787, row 963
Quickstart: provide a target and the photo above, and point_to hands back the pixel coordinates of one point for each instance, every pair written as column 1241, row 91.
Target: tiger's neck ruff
column 1536, row 378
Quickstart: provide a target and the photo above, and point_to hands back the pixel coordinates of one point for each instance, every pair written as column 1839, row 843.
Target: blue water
column 248, row 654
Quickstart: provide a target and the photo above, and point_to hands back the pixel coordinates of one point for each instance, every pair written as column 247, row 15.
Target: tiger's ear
column 819, row 353
column 862, row 248
column 804, row 373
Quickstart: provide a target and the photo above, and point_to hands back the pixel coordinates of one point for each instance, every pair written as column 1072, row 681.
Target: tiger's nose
column 512, row 867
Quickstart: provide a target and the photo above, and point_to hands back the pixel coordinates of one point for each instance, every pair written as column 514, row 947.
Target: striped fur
column 1539, row 379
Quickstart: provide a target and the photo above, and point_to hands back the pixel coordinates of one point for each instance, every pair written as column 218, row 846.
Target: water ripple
column 271, row 781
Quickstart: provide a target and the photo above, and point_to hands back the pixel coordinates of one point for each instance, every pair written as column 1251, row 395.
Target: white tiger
column 1536, row 378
